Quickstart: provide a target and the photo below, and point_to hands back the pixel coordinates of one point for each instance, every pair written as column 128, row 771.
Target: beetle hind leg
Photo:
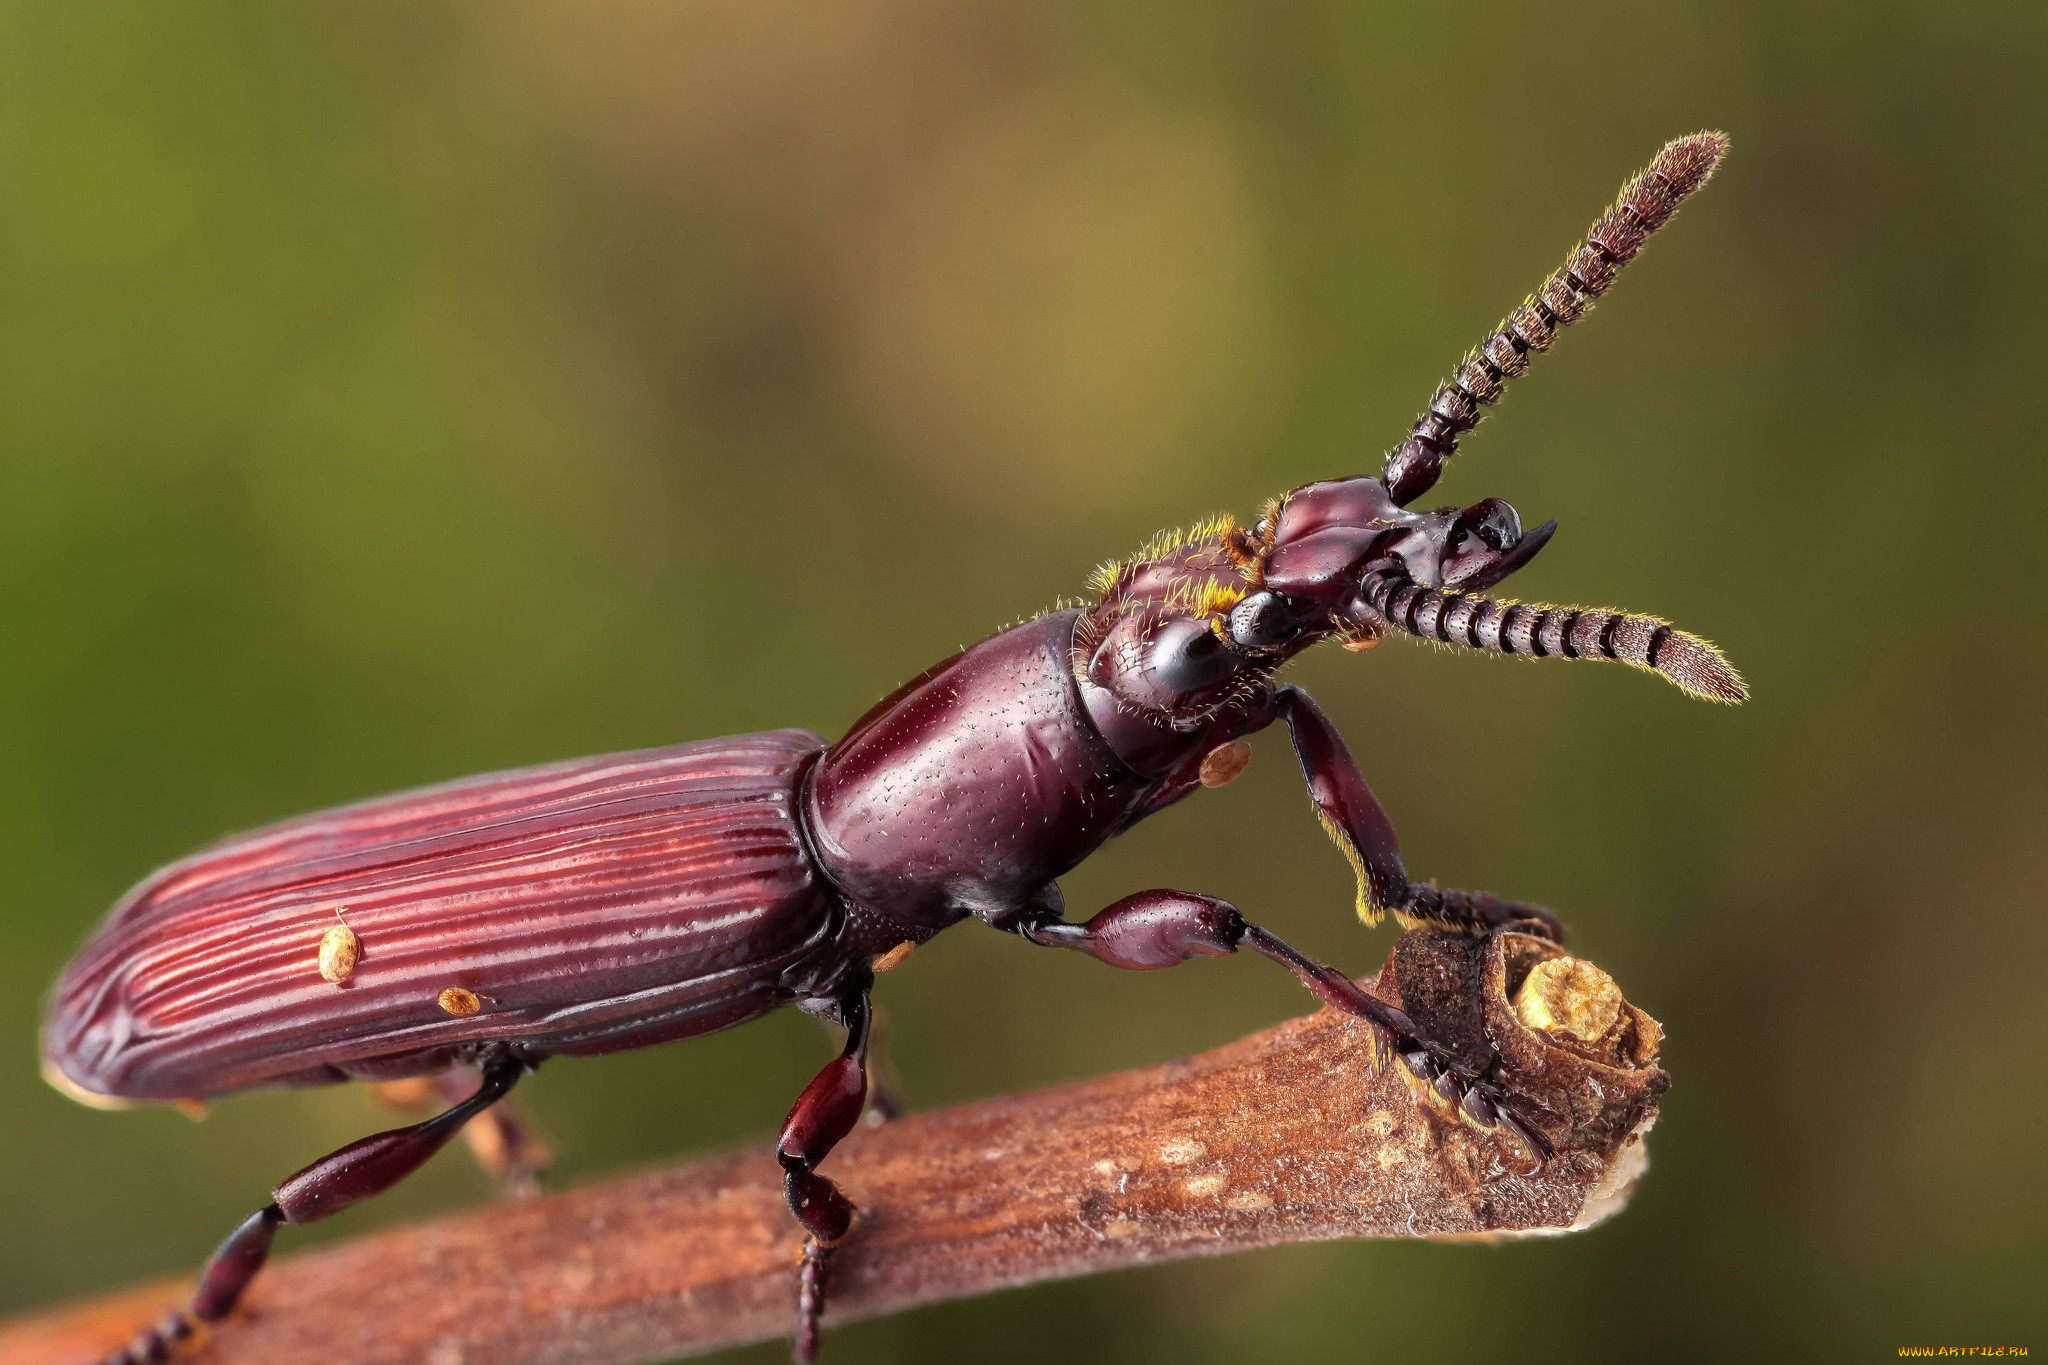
column 505, row 1145
column 500, row 1139
column 825, row 1113
column 355, row 1173
column 885, row 1085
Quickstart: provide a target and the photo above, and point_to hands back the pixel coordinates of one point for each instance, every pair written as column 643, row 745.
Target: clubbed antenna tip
column 1686, row 163
column 1698, row 669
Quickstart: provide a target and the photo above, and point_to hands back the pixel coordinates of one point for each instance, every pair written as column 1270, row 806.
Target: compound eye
column 1262, row 620
column 1187, row 656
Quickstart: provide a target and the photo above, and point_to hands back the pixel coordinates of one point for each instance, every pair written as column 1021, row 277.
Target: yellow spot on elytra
column 340, row 950
column 1390, row 1157
column 1180, row 1151
column 1216, row 530
column 1205, row 1186
column 1249, row 1201
column 1122, row 1227
column 458, row 1001
column 1381, row 1122
column 892, row 959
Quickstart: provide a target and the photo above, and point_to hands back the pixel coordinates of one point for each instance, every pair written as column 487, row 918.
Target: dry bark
column 1288, row 1135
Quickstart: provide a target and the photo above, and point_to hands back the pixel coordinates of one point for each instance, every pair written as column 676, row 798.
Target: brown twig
column 1287, row 1135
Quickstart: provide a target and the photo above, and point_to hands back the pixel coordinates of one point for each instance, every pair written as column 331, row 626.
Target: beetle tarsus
column 1476, row 912
column 822, row 1116
column 155, row 1345
column 1477, row 1097
column 827, row 1207
column 221, row 1284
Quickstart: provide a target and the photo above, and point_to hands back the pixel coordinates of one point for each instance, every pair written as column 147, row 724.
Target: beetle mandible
column 618, row 902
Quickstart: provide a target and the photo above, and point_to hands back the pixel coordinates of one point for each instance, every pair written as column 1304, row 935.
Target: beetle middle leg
column 823, row 1114
column 1160, row 928
column 362, row 1169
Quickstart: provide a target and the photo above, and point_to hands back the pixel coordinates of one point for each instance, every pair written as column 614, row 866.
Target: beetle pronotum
column 617, row 902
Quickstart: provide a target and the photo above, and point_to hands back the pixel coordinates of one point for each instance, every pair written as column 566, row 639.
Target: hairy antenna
column 1537, row 630
column 1645, row 204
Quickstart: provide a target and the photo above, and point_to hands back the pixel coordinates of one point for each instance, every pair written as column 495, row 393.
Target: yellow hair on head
column 1211, row 530
column 1203, row 597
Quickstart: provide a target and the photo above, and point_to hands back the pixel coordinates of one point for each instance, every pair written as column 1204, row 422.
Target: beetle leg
column 1359, row 824
column 885, row 1093
column 885, row 1087
column 1154, row 929
column 825, row 1113
column 329, row 1185
column 501, row 1141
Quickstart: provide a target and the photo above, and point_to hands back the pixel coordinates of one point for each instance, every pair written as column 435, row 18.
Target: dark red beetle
column 613, row 903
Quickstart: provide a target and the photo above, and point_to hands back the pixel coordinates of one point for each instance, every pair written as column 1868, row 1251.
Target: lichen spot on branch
column 1572, row 1000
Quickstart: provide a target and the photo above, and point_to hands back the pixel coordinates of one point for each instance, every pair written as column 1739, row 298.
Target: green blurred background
column 389, row 393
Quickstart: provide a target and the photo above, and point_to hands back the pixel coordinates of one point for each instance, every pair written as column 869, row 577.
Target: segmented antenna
column 1538, row 630
column 1645, row 204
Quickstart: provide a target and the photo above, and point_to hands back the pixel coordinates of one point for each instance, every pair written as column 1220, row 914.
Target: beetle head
column 1157, row 639
column 1346, row 551
column 1200, row 619
column 1319, row 539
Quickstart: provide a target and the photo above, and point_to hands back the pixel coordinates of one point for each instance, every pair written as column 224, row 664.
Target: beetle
column 618, row 902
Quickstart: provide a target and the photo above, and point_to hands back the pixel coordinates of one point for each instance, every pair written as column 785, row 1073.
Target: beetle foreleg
column 825, row 1113
column 1359, row 824
column 329, row 1185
